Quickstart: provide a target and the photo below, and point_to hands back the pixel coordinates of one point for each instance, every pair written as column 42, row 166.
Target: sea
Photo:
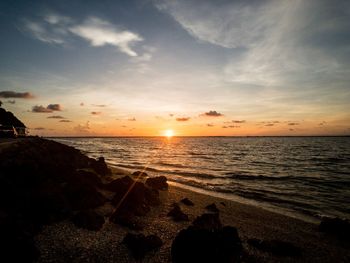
column 304, row 177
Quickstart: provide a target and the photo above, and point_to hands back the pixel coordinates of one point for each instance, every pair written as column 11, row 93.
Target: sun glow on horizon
column 169, row 133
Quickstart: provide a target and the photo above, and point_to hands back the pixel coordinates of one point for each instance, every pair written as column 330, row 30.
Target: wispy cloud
column 183, row 119
column 96, row 113
column 212, row 113
column 98, row 105
column 17, row 95
column 65, row 121
column 55, row 117
column 57, row 29
column 132, row 119
column 49, row 109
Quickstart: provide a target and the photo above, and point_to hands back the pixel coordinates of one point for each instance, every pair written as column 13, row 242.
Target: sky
column 198, row 68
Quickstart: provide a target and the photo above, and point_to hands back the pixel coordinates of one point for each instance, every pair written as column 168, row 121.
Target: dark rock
column 120, row 184
column 133, row 197
column 223, row 203
column 127, row 219
column 139, row 244
column 276, row 247
column 89, row 220
column 159, row 183
column 212, row 208
column 187, row 202
column 336, row 226
column 100, row 166
column 177, row 214
column 89, row 177
column 201, row 245
column 209, row 222
column 140, row 173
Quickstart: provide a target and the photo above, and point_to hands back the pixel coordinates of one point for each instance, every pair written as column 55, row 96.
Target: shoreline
column 231, row 197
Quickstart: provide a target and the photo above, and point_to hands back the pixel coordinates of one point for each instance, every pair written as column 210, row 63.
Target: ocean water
column 307, row 177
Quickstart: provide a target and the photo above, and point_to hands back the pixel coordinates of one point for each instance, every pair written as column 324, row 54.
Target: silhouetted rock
column 139, row 244
column 140, row 173
column 177, row 214
column 89, row 220
column 187, row 202
column 207, row 241
column 159, row 183
column 212, row 208
column 90, row 177
column 126, row 219
column 223, row 203
column 120, row 184
column 209, row 222
column 336, row 226
column 276, row 247
column 152, row 197
column 100, row 166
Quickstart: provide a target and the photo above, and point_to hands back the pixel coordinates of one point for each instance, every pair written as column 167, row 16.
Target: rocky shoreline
column 58, row 205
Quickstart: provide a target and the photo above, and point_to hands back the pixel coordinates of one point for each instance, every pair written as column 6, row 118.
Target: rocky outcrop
column 158, row 183
column 177, row 214
column 207, row 241
column 187, row 202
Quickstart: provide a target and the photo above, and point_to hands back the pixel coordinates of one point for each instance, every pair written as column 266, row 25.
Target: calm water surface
column 307, row 176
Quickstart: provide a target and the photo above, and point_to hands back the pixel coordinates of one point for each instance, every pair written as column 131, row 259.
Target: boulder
column 177, row 214
column 140, row 174
column 187, row 202
column 276, row 247
column 89, row 220
column 139, row 244
column 159, row 183
column 212, row 208
column 89, row 177
column 203, row 245
column 128, row 220
column 100, row 166
column 336, row 226
column 120, row 184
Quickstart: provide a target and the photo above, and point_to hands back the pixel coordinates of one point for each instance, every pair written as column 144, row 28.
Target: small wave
column 178, row 165
column 256, row 177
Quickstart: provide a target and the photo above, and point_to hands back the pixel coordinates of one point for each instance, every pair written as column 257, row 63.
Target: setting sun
column 169, row 133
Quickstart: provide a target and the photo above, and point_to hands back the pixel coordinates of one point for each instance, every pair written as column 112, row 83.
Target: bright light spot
column 169, row 133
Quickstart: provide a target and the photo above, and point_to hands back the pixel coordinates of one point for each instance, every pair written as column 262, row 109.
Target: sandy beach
column 63, row 239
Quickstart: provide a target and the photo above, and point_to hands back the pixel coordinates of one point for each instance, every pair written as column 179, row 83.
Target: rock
column 120, row 184
column 139, row 244
column 202, row 245
column 336, row 226
column 212, row 207
column 89, row 177
column 100, row 166
column 159, row 183
column 223, row 203
column 187, row 202
column 209, row 222
column 89, row 220
column 152, row 197
column 177, row 214
column 276, row 247
column 128, row 220
column 140, row 174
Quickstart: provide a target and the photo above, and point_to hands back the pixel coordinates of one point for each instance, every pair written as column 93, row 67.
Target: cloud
column 101, row 33
column 55, row 117
column 183, row 119
column 17, row 95
column 274, row 43
column 293, row 123
column 171, row 114
column 65, row 121
column 270, row 124
column 96, row 113
column 49, row 109
column 83, row 128
column 81, row 104
column 99, row 105
column 238, row 121
column 39, row 129
column 41, row 109
column 57, row 29
column 132, row 119
column 212, row 113
column 210, row 125
column 230, row 126
column 54, row 107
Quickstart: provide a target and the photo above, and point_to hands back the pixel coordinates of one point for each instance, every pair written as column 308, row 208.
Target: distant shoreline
column 271, row 136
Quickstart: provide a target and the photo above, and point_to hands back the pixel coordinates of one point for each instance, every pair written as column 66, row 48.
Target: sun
column 169, row 133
